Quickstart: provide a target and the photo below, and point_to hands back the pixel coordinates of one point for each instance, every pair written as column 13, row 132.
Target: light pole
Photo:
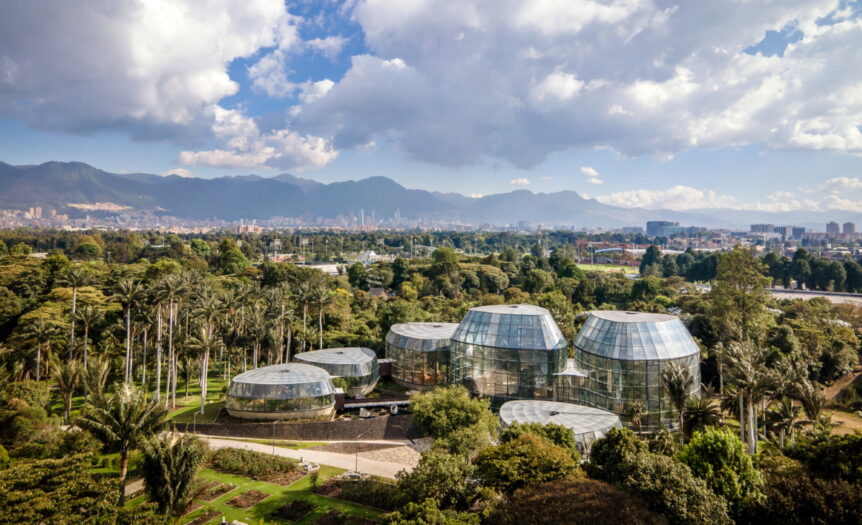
column 195, row 422
column 273, row 435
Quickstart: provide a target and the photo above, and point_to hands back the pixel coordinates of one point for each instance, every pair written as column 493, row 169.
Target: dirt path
column 839, row 385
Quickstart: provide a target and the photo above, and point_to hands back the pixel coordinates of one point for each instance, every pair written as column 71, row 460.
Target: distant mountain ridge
column 58, row 184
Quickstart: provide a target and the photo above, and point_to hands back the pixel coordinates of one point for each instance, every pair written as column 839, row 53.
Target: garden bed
column 368, row 492
column 205, row 517
column 248, row 499
column 294, row 510
column 213, row 490
column 354, row 448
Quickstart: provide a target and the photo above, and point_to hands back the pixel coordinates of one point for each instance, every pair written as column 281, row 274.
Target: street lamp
column 273, row 435
column 195, row 422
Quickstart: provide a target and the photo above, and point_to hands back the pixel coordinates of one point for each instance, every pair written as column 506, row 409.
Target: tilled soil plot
column 248, row 499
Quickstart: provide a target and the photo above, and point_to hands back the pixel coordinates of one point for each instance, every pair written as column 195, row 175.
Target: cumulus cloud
column 676, row 198
column 838, row 184
column 520, row 182
column 520, row 80
column 248, row 147
column 330, row 47
column 179, row 172
column 592, row 175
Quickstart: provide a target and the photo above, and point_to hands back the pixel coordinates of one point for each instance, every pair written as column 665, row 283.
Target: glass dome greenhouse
column 623, row 354
column 288, row 391
column 508, row 352
column 587, row 423
column 355, row 368
column 420, row 353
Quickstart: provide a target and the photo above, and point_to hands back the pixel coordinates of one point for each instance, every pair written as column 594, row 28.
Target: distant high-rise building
column 631, row 229
column 798, row 232
column 762, row 228
column 832, row 228
column 659, row 228
column 785, row 231
column 849, row 228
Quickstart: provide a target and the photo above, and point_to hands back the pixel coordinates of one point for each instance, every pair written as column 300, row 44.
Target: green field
column 608, row 268
column 280, row 495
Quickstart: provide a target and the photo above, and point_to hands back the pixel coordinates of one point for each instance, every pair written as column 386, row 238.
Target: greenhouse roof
column 422, row 337
column 581, row 419
column 635, row 336
column 286, row 374
column 517, row 326
column 338, row 356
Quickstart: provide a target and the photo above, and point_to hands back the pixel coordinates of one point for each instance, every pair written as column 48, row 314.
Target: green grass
column 280, row 495
column 607, row 268
column 186, row 414
column 293, row 445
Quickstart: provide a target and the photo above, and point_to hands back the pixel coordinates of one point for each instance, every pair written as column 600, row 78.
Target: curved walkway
column 375, row 467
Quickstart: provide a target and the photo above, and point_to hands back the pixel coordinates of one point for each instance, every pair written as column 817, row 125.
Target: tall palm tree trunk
column 74, row 310
column 158, row 352
column 144, row 362
column 128, row 374
column 320, row 325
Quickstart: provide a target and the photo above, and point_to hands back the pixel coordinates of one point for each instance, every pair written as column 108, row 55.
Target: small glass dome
column 288, row 391
column 588, row 424
column 420, row 353
column 355, row 367
column 508, row 352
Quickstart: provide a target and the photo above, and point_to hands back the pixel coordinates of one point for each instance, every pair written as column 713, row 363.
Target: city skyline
column 648, row 103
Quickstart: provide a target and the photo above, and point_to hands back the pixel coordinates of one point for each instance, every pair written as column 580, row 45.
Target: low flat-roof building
column 288, row 391
column 420, row 353
column 355, row 369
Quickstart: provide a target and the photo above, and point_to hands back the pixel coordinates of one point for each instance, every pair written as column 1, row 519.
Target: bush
column 557, row 502
column 719, row 458
column 831, row 457
column 4, row 458
column 559, row 435
column 249, row 464
column 442, row 411
column 442, row 477
column 794, row 496
column 525, row 460
column 429, row 513
column 368, row 491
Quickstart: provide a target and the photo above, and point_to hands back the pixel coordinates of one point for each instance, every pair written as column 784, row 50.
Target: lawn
column 280, row 495
column 607, row 268
column 293, row 445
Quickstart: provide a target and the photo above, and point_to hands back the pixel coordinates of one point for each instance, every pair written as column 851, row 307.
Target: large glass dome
column 355, row 367
column 420, row 353
column 508, row 352
column 288, row 391
column 623, row 355
column 587, row 423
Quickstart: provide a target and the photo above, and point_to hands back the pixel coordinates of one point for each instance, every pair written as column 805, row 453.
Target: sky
column 749, row 104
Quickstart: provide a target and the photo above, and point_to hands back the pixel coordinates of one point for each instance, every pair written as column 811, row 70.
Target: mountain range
column 57, row 185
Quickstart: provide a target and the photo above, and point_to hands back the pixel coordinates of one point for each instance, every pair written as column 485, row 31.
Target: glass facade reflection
column 356, row 368
column 420, row 353
column 508, row 352
column 285, row 391
column 623, row 355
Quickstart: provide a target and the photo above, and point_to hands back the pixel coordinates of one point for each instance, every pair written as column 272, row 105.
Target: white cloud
column 676, row 198
column 330, row 47
column 520, row 80
column 147, row 68
column 592, row 175
column 595, row 180
column 179, row 172
column 838, row 184
column 476, row 195
column 249, row 147
column 519, row 182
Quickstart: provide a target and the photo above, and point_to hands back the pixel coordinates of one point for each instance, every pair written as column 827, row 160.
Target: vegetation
column 170, row 467
column 248, row 463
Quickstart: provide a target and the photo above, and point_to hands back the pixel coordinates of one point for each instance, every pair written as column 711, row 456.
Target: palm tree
column 89, row 316
column 785, row 419
column 67, row 375
column 75, row 277
column 304, row 292
column 700, row 412
column 41, row 332
column 128, row 293
column 747, row 369
column 677, row 381
column 95, row 376
column 170, row 465
column 205, row 342
column 125, row 420
column 813, row 400
column 323, row 297
column 169, row 290
column 635, row 414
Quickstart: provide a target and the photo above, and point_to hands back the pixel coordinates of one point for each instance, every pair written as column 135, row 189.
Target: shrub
column 559, row 435
column 441, row 411
column 719, row 458
column 831, row 457
column 525, row 460
column 250, row 464
column 794, row 496
column 4, row 458
column 439, row 476
column 368, row 491
column 427, row 513
column 557, row 502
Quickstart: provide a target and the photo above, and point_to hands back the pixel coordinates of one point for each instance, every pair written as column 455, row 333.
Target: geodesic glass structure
column 623, row 354
column 356, row 368
column 288, row 391
column 508, row 352
column 420, row 353
column 586, row 423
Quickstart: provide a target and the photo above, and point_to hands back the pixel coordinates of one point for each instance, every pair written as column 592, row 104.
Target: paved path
column 385, row 469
